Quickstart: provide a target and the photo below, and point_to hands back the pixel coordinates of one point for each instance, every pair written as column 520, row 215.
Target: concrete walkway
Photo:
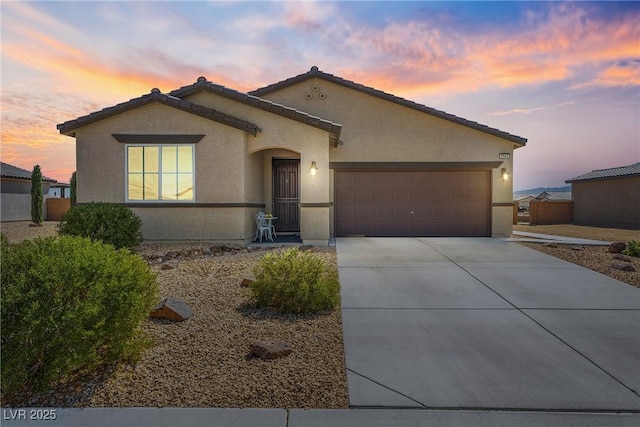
column 453, row 332
column 481, row 323
column 548, row 238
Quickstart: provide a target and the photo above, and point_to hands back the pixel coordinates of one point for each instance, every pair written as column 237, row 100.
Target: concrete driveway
column 480, row 323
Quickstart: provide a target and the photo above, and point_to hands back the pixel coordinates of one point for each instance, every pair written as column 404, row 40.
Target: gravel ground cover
column 205, row 361
column 596, row 258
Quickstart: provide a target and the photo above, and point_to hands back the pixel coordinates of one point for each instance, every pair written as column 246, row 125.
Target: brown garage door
column 412, row 203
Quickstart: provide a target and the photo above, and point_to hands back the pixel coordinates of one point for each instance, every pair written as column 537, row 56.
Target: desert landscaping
column 206, row 360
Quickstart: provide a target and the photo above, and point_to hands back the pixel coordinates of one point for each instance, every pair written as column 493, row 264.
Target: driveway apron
column 480, row 323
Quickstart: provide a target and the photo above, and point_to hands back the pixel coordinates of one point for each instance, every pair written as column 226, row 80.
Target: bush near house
column 295, row 282
column 632, row 249
column 69, row 304
column 110, row 223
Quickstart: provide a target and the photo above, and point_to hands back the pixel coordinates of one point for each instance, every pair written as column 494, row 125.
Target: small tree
column 72, row 186
column 37, row 199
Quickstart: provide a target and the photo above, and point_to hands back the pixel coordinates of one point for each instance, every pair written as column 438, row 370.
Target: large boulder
column 623, row 266
column 617, row 247
column 172, row 309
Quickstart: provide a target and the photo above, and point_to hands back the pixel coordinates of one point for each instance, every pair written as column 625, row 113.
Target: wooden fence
column 56, row 207
column 551, row 212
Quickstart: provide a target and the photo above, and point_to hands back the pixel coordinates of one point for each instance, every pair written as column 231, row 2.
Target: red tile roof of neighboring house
column 10, row 171
column 69, row 127
column 315, row 73
column 203, row 85
column 617, row 172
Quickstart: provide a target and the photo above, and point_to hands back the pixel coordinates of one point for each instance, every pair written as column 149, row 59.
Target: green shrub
column 107, row 222
column 69, row 304
column 633, row 249
column 295, row 282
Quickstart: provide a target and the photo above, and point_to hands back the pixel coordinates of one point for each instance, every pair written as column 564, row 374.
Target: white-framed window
column 160, row 172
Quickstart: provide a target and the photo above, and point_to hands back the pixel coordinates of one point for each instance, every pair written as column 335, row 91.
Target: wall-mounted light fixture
column 313, row 169
column 505, row 174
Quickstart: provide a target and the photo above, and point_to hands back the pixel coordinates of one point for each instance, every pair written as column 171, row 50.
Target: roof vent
column 202, row 79
column 155, row 90
column 314, row 68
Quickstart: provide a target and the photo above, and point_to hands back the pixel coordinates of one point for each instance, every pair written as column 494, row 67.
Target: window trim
column 158, row 201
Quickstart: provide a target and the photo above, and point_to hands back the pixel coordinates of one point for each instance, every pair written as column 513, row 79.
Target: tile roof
column 315, row 73
column 10, row 171
column 617, row 172
column 202, row 84
column 69, row 127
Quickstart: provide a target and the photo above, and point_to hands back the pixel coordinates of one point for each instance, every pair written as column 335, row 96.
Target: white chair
column 270, row 222
column 263, row 227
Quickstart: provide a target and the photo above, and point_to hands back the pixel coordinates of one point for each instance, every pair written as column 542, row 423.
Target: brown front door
column 286, row 194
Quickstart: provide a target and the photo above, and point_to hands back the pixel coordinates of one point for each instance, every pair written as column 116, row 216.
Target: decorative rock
column 172, row 309
column 170, row 264
column 305, row 248
column 617, row 247
column 172, row 254
column 206, row 251
column 246, row 283
column 550, row 245
column 622, row 258
column 576, row 248
column 267, row 350
column 623, row 266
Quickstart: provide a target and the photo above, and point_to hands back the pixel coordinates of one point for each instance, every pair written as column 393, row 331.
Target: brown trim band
column 127, row 138
column 193, row 205
column 502, row 204
column 415, row 165
column 316, row 205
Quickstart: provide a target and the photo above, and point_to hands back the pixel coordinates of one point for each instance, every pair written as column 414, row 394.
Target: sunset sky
column 565, row 75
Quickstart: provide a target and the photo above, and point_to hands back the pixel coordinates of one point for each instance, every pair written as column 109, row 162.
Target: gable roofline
column 69, row 127
column 14, row 172
column 316, row 73
column 617, row 172
column 202, row 84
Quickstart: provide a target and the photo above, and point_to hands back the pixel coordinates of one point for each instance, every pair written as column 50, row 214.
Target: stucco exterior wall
column 375, row 130
column 224, row 174
column 101, row 159
column 15, row 207
column 280, row 133
column 611, row 202
column 192, row 223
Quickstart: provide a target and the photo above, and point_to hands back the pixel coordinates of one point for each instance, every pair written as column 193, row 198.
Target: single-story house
column 608, row 197
column 15, row 186
column 325, row 155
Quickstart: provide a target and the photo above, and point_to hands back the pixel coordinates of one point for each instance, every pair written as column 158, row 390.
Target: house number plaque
column 504, row 156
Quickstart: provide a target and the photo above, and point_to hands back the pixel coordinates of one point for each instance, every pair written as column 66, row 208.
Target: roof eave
column 69, row 127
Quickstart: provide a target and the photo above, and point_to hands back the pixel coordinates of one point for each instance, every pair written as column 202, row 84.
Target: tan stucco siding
column 290, row 138
column 101, row 159
column 195, row 223
column 375, row 130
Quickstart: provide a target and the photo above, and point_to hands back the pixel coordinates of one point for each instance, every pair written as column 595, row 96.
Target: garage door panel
column 444, row 203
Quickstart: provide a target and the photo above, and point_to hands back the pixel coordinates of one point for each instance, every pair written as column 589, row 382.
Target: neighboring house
column 15, row 186
column 608, row 197
column 523, row 202
column 326, row 156
column 60, row 190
